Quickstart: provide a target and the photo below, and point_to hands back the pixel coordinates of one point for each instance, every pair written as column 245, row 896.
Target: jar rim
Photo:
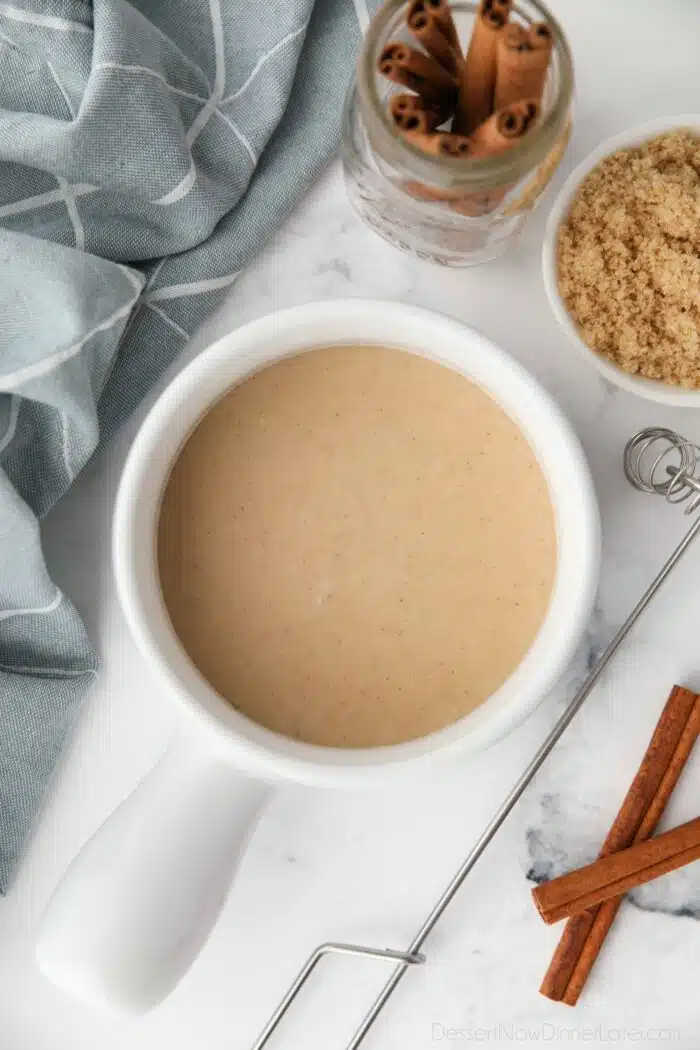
column 454, row 172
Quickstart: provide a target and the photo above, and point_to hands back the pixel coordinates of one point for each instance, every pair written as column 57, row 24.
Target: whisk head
column 661, row 461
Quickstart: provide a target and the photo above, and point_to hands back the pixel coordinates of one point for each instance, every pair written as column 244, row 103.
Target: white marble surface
column 366, row 867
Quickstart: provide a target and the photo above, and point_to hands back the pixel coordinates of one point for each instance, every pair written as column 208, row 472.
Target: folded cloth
column 147, row 149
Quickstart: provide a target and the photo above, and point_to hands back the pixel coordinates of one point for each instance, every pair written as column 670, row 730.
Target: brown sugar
column 629, row 259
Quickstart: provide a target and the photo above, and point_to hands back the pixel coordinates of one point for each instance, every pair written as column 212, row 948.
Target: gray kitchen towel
column 147, row 149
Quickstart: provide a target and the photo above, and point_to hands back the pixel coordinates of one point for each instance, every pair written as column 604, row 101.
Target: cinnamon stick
column 664, row 759
column 540, row 37
column 605, row 914
column 477, row 204
column 443, row 13
column 618, row 873
column 422, row 192
column 503, row 129
column 415, row 122
column 409, row 114
column 522, row 62
column 443, row 144
column 496, row 135
column 440, row 144
column 478, row 73
column 432, row 25
column 421, row 73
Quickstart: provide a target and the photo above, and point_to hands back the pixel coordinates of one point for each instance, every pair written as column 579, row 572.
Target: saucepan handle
column 135, row 907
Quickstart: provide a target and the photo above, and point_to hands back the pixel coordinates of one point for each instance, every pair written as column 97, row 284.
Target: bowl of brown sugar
column 621, row 259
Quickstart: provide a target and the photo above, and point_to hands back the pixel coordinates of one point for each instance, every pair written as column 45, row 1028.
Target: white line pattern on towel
column 262, row 61
column 182, row 188
column 8, row 614
column 65, row 446
column 132, row 278
column 78, row 231
column 41, row 672
column 177, row 291
column 63, row 25
column 59, row 85
column 362, row 14
column 12, row 424
column 41, row 368
column 43, row 200
column 203, row 117
column 156, row 271
column 122, row 68
column 168, row 320
column 239, row 135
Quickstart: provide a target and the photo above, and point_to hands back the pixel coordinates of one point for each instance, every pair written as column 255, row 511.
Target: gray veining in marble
column 573, row 801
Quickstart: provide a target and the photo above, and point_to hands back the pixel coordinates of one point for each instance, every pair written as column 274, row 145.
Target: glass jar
column 411, row 198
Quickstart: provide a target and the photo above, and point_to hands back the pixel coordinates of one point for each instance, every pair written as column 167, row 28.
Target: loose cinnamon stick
column 618, row 873
column 407, row 66
column 432, row 25
column 478, row 74
column 668, row 749
column 605, row 914
column 522, row 61
column 680, row 756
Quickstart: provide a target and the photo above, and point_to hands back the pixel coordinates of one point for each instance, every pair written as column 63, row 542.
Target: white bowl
column 651, row 389
column 358, row 322
column 140, row 899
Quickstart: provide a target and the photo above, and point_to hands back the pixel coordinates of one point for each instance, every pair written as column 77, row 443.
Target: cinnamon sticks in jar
column 423, row 74
column 491, row 95
column 431, row 23
column 475, row 102
column 523, row 58
column 411, row 115
column 504, row 127
column 585, row 932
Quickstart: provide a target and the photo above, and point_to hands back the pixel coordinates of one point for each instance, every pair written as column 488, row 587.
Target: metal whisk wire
column 658, row 461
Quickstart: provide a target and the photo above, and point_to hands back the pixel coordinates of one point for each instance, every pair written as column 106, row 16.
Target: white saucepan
column 136, row 905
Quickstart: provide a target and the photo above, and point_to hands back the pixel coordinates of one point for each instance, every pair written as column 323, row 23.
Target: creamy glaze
column 356, row 546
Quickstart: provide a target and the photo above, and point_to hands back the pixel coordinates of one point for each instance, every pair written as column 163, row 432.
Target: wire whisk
column 662, row 462
column 657, row 461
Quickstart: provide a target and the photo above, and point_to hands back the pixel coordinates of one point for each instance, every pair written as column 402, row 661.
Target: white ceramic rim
column 345, row 322
column 651, row 389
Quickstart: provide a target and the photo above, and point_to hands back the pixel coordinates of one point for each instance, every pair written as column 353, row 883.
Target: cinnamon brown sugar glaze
column 356, row 546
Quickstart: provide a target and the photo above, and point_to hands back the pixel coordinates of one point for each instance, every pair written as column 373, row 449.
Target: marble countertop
column 367, row 867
